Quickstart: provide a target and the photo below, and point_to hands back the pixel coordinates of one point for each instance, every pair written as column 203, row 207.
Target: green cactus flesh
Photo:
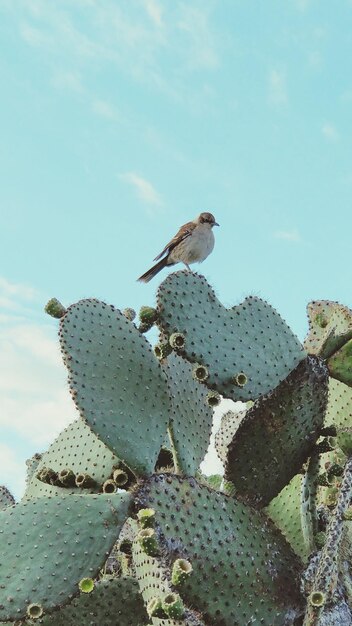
column 116, row 382
column 285, row 511
column 230, row 422
column 250, row 339
column 113, row 602
column 48, row 545
column 276, row 436
column 76, row 448
column 6, row 498
column 330, row 326
column 339, row 409
column 191, row 416
column 32, row 466
column 243, row 569
column 340, row 364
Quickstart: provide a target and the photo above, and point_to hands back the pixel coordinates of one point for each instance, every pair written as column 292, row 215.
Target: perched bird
column 192, row 244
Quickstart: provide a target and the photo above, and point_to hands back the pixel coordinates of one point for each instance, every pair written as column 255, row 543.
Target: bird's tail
column 145, row 278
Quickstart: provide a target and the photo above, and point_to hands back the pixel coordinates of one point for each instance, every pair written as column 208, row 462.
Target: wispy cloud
column 155, row 11
column 64, row 79
column 288, row 235
column 35, row 402
column 105, row 109
column 277, row 88
column 144, row 188
column 330, row 133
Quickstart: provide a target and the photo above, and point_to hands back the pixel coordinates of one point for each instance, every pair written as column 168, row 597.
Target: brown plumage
column 192, row 243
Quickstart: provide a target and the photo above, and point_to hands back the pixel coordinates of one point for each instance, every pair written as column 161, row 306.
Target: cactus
column 340, row 364
column 6, row 498
column 250, row 340
column 118, row 525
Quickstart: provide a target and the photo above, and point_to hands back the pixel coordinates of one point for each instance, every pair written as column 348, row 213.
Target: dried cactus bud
column 109, row 486
column 317, row 598
column 181, row 570
column 162, row 350
column 177, row 341
column 35, row 611
column 324, row 480
column 130, row 314
column 147, row 539
column 86, row 585
column 120, row 477
column 213, row 398
column 55, row 308
column 327, row 445
column 200, row 373
column 84, row 481
column 335, row 470
column 240, row 379
column 173, row 606
column 46, row 475
column 67, row 477
column 146, row 518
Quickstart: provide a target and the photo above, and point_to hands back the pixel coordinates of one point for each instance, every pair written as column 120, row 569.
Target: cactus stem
column 181, row 570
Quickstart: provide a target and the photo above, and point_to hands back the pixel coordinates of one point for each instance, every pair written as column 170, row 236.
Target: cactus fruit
column 279, row 427
column 250, row 338
column 75, row 532
column 117, row 384
column 55, row 308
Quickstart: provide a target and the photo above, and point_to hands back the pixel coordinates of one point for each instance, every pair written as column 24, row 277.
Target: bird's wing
column 184, row 232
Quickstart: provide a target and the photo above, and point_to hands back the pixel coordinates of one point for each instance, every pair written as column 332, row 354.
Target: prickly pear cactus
column 119, row 527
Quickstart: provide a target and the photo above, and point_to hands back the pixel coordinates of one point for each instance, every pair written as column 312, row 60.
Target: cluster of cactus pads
column 119, row 527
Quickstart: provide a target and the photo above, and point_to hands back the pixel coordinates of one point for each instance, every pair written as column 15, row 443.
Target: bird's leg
column 188, row 267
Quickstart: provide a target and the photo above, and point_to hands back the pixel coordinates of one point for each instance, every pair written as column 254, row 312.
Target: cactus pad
column 330, row 326
column 241, row 564
column 6, row 498
column 191, row 417
column 339, row 409
column 340, row 364
column 76, row 448
column 250, row 340
column 112, row 602
column 116, row 382
column 277, row 433
column 48, row 545
column 230, row 421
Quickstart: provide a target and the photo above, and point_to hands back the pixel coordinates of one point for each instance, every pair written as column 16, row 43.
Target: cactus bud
column 146, row 518
column 55, row 308
column 129, row 314
column 147, row 539
column 317, row 598
column 320, row 539
column 177, row 341
column 155, row 608
column 173, row 606
column 86, row 585
column 162, row 350
column 181, row 570
column 35, row 611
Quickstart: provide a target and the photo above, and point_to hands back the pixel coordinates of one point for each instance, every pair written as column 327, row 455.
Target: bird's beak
column 216, row 224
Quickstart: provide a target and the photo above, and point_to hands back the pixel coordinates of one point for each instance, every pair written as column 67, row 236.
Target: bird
column 192, row 244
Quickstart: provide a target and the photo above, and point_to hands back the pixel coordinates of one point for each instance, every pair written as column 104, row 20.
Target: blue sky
column 121, row 120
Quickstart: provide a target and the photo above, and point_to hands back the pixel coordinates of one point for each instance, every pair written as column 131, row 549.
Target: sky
column 122, row 119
